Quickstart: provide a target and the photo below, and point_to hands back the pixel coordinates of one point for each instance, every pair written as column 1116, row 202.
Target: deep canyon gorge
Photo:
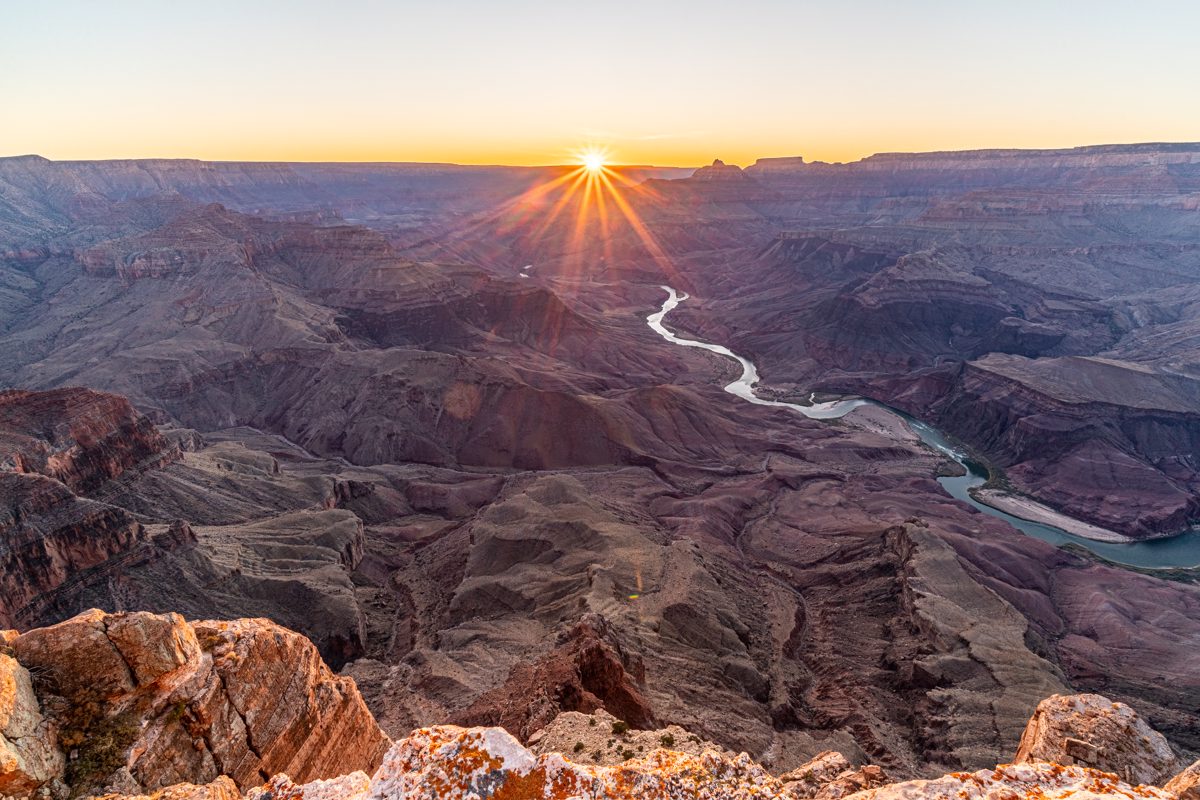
column 424, row 416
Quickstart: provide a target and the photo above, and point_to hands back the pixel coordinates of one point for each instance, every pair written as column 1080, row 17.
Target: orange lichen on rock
column 220, row 789
column 451, row 763
column 1028, row 781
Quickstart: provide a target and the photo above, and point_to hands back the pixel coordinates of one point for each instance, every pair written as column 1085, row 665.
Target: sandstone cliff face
column 54, row 447
column 96, row 506
column 48, row 536
column 80, row 437
column 145, row 701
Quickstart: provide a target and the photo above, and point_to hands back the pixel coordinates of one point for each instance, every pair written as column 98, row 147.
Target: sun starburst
column 593, row 159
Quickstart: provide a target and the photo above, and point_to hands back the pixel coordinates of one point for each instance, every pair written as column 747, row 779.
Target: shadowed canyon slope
column 416, row 414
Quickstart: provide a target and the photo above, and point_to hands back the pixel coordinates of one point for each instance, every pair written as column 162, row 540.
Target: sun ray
column 640, row 230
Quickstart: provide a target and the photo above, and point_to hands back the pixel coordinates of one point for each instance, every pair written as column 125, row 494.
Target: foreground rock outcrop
column 146, row 706
column 1042, row 781
column 452, row 763
column 141, row 701
column 1092, row 731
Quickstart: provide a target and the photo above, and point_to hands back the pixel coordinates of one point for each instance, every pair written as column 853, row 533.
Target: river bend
column 1172, row 552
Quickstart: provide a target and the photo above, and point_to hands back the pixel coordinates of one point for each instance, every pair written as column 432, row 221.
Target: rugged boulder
column 29, row 754
column 1186, row 785
column 281, row 787
column 829, row 776
column 144, row 701
column 851, row 781
column 1042, row 781
column 810, row 777
column 453, row 763
column 1092, row 731
column 600, row 738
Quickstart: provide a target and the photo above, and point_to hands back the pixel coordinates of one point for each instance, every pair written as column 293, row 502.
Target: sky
column 534, row 82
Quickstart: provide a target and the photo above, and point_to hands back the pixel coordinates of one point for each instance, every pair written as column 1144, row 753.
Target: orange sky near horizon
column 660, row 82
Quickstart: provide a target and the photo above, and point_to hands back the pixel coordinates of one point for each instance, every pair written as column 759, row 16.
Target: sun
column 592, row 160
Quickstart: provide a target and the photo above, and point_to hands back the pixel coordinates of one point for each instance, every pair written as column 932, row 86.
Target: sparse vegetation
column 620, row 727
column 97, row 744
column 579, row 747
column 667, row 740
column 177, row 711
column 627, row 754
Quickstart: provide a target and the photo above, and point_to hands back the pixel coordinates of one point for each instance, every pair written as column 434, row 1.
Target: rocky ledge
column 453, row 763
column 150, row 707
column 133, row 702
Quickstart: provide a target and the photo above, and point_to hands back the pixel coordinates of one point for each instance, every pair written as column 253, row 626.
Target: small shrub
column 100, row 746
column 596, row 756
column 627, row 754
column 667, row 740
column 579, row 747
column 591, row 722
column 620, row 727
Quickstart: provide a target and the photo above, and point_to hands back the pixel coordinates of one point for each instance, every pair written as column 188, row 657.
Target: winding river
column 1182, row 551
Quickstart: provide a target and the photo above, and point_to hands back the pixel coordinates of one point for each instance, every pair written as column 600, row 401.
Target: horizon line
column 1187, row 145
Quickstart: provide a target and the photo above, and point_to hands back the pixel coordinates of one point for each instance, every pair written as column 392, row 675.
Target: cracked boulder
column 29, row 754
column 1092, row 731
column 829, row 776
column 144, row 701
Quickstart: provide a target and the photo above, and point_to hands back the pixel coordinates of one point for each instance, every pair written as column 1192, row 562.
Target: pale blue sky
column 529, row 81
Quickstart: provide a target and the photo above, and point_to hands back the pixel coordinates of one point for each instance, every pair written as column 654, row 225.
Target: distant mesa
column 719, row 171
